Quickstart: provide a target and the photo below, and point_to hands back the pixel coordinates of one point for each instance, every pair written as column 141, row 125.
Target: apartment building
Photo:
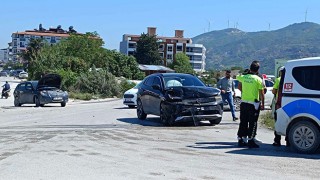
column 20, row 40
column 168, row 47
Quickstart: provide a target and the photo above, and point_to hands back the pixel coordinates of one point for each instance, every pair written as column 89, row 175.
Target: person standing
column 252, row 102
column 226, row 85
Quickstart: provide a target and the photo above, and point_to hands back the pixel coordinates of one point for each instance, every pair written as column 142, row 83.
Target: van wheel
column 304, row 137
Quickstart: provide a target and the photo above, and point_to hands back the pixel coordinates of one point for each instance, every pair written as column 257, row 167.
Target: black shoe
column 241, row 143
column 287, row 144
column 277, row 144
column 252, row 144
column 235, row 118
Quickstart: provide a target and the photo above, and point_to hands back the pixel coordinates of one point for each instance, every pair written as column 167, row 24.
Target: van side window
column 307, row 76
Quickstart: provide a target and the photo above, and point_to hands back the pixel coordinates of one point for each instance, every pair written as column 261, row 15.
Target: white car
column 237, row 100
column 298, row 115
column 130, row 97
column 23, row 75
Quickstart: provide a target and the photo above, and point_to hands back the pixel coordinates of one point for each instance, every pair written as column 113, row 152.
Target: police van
column 298, row 113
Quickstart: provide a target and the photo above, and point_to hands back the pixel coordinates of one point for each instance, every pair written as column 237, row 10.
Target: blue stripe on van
column 302, row 106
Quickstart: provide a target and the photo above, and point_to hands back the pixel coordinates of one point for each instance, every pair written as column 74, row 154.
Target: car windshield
column 137, row 86
column 182, row 80
column 236, row 83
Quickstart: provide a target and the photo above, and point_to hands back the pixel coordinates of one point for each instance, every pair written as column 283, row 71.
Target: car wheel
column 237, row 102
column 63, row 104
column 37, row 101
column 215, row 121
column 304, row 137
column 16, row 102
column 165, row 118
column 41, row 105
column 140, row 113
column 131, row 106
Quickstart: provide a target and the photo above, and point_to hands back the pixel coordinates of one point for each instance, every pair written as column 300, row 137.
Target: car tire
column 140, row 113
column 302, row 133
column 131, row 106
column 37, row 101
column 63, row 104
column 215, row 121
column 16, row 103
column 164, row 118
column 237, row 102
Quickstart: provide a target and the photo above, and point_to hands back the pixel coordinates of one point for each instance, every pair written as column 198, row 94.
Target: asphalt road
column 104, row 140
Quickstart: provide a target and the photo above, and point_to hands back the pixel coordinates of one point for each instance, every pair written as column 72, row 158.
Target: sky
column 113, row 18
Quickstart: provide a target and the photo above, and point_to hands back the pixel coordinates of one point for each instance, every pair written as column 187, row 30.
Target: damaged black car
column 46, row 90
column 178, row 97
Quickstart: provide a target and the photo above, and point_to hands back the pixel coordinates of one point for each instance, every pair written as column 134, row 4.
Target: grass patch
column 81, row 96
column 267, row 120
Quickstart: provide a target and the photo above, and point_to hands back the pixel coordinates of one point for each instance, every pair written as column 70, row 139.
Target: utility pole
column 305, row 16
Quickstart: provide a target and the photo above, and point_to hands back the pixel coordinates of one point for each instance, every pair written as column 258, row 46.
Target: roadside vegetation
column 267, row 120
column 88, row 70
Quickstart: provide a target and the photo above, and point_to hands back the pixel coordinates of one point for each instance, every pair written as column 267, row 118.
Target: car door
column 17, row 92
column 155, row 96
column 269, row 95
column 26, row 93
column 145, row 94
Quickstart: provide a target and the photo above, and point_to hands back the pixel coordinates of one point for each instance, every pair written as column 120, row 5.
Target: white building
column 20, row 40
column 168, row 47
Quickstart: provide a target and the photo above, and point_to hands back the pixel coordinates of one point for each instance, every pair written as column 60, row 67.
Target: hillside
column 233, row 47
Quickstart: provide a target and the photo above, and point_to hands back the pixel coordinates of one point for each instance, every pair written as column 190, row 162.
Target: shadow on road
column 264, row 150
column 155, row 121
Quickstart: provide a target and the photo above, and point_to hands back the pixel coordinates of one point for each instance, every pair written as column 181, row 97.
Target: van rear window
column 307, row 76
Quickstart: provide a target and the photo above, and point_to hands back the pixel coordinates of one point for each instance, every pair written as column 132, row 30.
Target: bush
column 125, row 85
column 267, row 120
column 100, row 83
column 81, row 96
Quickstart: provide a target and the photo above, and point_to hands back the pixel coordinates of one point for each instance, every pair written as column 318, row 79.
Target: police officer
column 252, row 102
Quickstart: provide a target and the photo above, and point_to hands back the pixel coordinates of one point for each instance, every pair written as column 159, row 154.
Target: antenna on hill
column 228, row 24
column 305, row 16
column 209, row 24
column 269, row 26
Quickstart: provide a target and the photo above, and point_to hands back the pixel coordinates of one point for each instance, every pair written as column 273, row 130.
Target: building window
column 179, row 48
column 131, row 53
column 22, row 44
column 161, row 54
column 15, row 43
column 169, row 56
column 170, row 48
column 132, row 45
column 161, row 47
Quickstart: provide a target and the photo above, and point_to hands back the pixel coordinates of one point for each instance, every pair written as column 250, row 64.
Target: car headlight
column 218, row 98
column 43, row 93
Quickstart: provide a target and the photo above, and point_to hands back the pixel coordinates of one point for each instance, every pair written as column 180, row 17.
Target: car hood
column 50, row 80
column 132, row 91
column 190, row 92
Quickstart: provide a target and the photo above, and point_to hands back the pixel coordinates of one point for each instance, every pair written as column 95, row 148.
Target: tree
column 147, row 50
column 182, row 64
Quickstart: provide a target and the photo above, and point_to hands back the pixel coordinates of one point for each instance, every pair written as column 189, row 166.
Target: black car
column 46, row 90
column 178, row 97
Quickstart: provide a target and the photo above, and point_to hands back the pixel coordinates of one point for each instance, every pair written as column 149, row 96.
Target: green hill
column 233, row 47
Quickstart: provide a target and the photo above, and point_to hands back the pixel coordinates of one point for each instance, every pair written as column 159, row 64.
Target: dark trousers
column 248, row 120
column 277, row 138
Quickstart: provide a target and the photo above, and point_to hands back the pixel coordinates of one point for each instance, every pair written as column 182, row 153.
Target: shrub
column 100, row 83
column 126, row 85
column 267, row 120
column 81, row 96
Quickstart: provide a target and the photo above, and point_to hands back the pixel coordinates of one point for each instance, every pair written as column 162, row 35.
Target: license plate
column 57, row 98
column 127, row 99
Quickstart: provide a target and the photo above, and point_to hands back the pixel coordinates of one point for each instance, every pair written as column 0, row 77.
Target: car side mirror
column 209, row 85
column 156, row 87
